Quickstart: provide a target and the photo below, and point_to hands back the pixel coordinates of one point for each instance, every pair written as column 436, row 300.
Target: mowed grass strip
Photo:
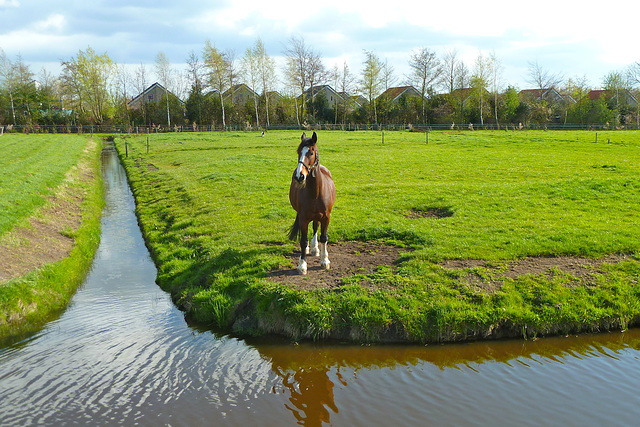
column 53, row 196
column 31, row 167
column 214, row 209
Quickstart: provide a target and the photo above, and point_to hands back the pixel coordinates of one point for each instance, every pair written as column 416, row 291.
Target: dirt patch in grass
column 579, row 267
column 354, row 258
column 433, row 212
column 48, row 237
column 347, row 259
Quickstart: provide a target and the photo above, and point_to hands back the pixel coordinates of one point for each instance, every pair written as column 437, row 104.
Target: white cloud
column 54, row 23
column 9, row 3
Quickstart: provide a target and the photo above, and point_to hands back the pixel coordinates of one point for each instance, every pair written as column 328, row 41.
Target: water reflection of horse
column 312, row 194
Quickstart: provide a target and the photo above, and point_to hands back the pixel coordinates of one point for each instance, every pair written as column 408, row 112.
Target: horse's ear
column 304, row 135
column 314, row 138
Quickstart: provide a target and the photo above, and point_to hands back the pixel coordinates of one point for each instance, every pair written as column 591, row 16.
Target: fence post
column 147, row 144
column 126, row 149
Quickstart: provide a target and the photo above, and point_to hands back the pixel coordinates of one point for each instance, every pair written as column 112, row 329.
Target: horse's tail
column 295, row 233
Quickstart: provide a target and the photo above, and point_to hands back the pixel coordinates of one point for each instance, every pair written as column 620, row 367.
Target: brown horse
column 312, row 194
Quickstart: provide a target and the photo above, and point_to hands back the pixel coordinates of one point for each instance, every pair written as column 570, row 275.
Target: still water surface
column 123, row 354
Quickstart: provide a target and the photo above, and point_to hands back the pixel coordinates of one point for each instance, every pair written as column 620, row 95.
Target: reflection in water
column 123, row 354
column 500, row 381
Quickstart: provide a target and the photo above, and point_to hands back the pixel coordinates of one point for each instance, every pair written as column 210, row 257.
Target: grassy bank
column 51, row 201
column 214, row 210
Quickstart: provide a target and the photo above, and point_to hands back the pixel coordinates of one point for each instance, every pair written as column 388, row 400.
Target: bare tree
column 140, row 85
column 346, row 83
column 425, row 71
column 541, row 78
column 220, row 69
column 495, row 74
column 267, row 72
column 335, row 78
column 616, row 83
column 633, row 74
column 250, row 70
column 450, row 67
column 9, row 80
column 388, row 75
column 371, row 80
column 297, row 63
column 195, row 69
column 316, row 73
column 122, row 80
column 480, row 81
column 163, row 71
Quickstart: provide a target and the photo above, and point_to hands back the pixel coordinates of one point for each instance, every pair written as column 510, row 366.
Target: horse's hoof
column 325, row 264
column 302, row 267
column 315, row 252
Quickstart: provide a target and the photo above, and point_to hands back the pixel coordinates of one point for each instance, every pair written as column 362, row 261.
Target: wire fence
column 137, row 130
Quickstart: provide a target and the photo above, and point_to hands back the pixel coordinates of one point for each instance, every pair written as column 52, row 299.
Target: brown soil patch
column 355, row 258
column 435, row 213
column 46, row 239
column 347, row 259
column 578, row 267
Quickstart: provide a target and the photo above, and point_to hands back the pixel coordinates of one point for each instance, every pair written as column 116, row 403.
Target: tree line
column 93, row 89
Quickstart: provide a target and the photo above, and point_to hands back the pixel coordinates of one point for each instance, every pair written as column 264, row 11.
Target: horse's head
column 308, row 158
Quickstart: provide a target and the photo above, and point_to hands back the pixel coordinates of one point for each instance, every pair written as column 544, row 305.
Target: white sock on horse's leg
column 314, row 245
column 324, row 256
column 302, row 266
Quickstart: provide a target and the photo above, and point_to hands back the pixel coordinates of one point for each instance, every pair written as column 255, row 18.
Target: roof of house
column 534, row 93
column 394, row 93
column 317, row 89
column 156, row 85
column 597, row 94
column 237, row 88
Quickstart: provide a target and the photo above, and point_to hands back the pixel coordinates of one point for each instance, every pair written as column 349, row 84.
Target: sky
column 564, row 37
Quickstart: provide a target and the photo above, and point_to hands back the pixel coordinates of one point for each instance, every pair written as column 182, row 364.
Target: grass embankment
column 51, row 199
column 214, row 209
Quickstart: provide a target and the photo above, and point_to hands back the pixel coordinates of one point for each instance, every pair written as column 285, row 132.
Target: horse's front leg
column 314, row 240
column 304, row 241
column 324, row 254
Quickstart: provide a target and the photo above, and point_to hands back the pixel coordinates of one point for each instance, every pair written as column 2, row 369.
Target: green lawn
column 30, row 167
column 214, row 208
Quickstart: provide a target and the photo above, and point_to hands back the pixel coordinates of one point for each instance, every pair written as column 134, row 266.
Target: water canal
column 123, row 354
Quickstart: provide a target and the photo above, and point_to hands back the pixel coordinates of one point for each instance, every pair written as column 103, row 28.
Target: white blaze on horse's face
column 300, row 176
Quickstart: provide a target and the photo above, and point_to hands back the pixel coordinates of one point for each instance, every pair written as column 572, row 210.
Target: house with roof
column 151, row 95
column 331, row 95
column 463, row 95
column 395, row 94
column 357, row 100
column 239, row 94
column 550, row 95
column 623, row 97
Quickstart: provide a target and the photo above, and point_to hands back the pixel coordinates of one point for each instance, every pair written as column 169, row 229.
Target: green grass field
column 214, row 209
column 38, row 171
column 31, row 166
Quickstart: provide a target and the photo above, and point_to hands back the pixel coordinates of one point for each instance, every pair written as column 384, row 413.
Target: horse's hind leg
column 314, row 240
column 324, row 254
column 304, row 241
